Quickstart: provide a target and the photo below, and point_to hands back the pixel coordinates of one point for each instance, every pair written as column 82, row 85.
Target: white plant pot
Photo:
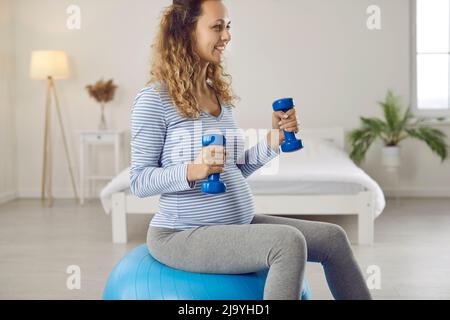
column 391, row 158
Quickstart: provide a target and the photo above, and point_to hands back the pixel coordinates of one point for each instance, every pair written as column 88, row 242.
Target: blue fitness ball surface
column 138, row 276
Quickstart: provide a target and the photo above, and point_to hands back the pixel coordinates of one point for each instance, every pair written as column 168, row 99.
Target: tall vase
column 102, row 124
column 391, row 158
column 391, row 162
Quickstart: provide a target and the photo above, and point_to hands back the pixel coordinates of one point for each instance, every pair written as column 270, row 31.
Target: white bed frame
column 361, row 204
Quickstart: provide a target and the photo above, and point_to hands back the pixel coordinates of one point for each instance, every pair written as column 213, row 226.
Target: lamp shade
column 49, row 64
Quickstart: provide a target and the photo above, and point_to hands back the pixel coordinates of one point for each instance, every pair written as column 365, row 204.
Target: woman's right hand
column 210, row 160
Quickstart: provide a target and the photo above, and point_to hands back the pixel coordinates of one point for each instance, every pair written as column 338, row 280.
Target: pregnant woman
column 188, row 95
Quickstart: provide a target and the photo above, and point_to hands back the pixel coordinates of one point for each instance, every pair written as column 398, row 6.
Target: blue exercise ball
column 138, row 276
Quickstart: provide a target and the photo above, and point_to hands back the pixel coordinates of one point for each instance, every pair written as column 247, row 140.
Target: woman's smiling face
column 212, row 33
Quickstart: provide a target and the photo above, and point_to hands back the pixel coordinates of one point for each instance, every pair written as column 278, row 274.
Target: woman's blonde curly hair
column 175, row 63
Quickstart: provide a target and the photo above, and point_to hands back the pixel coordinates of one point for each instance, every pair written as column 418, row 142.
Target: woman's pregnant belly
column 193, row 207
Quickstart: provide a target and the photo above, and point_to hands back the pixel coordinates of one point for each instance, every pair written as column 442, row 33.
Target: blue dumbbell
column 291, row 143
column 214, row 184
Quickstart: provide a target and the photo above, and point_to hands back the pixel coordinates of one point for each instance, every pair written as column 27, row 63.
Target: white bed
column 320, row 179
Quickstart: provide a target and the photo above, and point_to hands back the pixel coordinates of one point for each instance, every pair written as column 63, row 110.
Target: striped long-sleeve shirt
column 162, row 145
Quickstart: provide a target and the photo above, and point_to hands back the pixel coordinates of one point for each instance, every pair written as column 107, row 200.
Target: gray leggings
column 282, row 245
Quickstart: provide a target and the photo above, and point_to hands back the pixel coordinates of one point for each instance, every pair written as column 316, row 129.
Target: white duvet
column 319, row 168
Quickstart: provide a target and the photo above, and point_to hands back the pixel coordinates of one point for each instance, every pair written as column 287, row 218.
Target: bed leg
column 119, row 218
column 366, row 219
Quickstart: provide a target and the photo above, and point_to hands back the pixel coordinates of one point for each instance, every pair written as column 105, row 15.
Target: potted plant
column 102, row 92
column 394, row 128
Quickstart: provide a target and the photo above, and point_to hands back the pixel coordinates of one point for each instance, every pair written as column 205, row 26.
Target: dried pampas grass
column 102, row 91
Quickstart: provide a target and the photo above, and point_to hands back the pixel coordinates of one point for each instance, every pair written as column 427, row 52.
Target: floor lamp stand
column 46, row 187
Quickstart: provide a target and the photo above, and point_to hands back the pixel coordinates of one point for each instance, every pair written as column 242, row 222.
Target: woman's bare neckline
column 213, row 99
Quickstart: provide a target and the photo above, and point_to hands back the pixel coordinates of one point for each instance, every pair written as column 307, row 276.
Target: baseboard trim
column 8, row 196
column 57, row 194
column 418, row 193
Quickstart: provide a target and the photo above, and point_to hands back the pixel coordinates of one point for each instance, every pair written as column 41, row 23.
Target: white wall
column 319, row 52
column 8, row 185
column 113, row 42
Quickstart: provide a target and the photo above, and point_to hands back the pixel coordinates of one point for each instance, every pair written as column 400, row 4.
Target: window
column 431, row 72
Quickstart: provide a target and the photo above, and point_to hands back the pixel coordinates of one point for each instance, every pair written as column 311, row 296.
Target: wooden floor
column 37, row 245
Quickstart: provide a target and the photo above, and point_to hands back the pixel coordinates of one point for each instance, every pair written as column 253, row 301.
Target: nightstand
column 92, row 138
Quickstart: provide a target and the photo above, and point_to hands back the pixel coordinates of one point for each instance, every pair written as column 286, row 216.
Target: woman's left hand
column 282, row 121
column 285, row 121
